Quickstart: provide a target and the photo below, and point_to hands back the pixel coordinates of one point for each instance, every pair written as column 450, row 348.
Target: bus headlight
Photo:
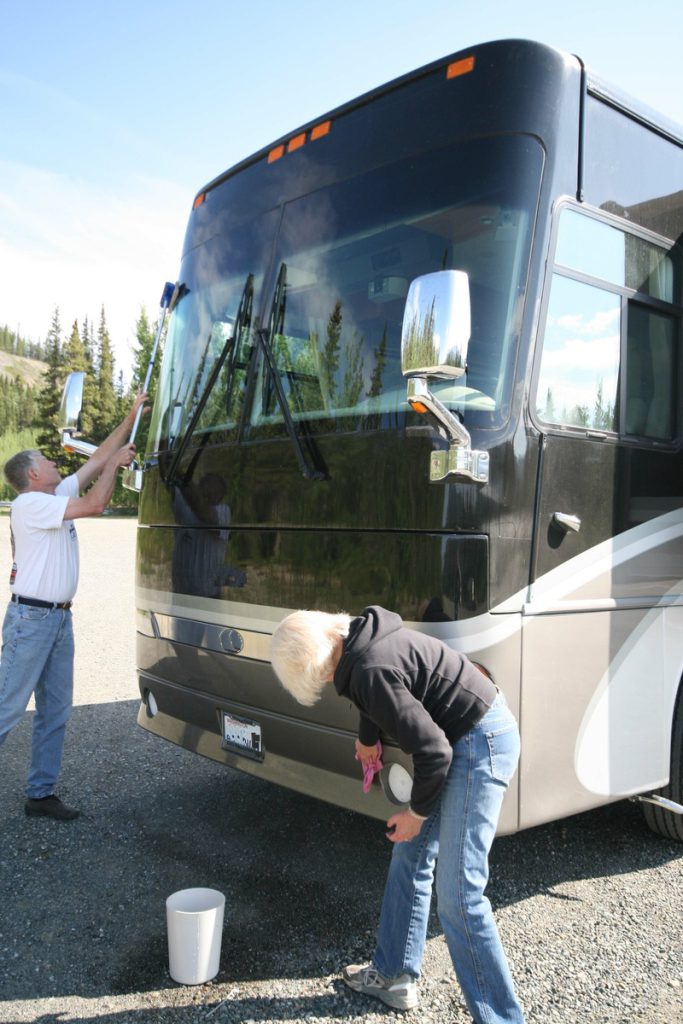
column 151, row 704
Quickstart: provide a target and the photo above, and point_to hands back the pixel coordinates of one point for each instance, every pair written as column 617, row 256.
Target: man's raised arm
column 94, row 502
column 109, row 447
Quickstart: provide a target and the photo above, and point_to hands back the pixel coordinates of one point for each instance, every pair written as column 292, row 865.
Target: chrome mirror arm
column 459, row 461
column 419, row 394
column 73, row 444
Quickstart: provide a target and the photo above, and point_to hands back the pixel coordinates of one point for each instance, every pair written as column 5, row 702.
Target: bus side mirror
column 436, row 326
column 70, row 415
column 434, row 342
column 72, row 403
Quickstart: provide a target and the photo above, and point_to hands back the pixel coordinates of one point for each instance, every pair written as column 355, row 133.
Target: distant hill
column 30, row 371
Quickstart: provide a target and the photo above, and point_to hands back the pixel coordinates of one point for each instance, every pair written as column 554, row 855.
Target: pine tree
column 353, row 372
column 74, row 352
column 330, row 354
column 375, row 388
column 105, row 413
column 8, row 405
column 12, row 341
column 88, row 345
column 50, row 397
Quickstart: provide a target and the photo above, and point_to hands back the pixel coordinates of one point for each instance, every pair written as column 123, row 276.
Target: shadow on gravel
column 82, row 905
column 326, row 1007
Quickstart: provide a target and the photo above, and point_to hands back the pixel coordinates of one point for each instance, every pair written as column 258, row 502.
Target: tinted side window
column 650, row 374
column 632, row 171
column 579, row 378
column 609, row 360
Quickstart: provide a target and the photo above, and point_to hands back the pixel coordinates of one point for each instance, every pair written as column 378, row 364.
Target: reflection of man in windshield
column 201, row 541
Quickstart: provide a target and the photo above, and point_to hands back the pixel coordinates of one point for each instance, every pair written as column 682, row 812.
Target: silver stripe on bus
column 192, row 633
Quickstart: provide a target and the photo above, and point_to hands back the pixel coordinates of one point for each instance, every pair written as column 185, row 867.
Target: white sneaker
column 399, row 993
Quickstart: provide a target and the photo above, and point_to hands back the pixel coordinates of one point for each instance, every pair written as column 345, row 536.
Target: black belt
column 35, row 603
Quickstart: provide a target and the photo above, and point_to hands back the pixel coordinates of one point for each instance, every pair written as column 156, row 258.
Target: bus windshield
column 347, row 254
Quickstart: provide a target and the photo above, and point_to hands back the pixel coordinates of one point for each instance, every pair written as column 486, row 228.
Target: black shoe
column 50, row 807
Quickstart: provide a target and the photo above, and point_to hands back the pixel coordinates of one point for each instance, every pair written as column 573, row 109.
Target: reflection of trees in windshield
column 352, row 381
column 353, row 374
column 224, row 404
column 297, row 363
column 330, row 353
column 375, row 388
column 327, row 374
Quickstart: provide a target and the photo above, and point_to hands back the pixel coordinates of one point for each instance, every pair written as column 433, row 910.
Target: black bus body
column 286, row 469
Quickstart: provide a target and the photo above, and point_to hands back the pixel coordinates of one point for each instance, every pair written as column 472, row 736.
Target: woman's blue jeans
column 37, row 658
column 454, row 842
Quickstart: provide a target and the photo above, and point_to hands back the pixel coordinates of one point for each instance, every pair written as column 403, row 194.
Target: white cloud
column 69, row 243
column 583, row 357
column 568, row 322
column 601, row 321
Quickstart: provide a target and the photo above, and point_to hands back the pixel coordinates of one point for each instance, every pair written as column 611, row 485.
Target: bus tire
column 666, row 823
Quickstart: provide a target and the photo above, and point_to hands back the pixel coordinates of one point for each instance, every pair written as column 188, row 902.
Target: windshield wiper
column 232, row 344
column 308, row 457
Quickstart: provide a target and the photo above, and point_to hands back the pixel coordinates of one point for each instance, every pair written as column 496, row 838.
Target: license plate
column 242, row 736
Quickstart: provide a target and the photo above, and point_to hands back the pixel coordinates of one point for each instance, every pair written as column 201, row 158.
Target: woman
column 450, row 717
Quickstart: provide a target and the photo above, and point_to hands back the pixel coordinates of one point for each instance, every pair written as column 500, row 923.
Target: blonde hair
column 302, row 651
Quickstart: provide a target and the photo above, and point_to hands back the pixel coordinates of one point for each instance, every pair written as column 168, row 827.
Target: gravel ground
column 589, row 908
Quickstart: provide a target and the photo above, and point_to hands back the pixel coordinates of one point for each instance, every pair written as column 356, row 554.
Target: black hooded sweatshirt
column 414, row 689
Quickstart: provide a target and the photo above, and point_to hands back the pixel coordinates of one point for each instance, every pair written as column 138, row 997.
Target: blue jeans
column 37, row 658
column 454, row 843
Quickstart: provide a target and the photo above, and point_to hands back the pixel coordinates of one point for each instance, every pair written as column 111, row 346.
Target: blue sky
column 113, row 115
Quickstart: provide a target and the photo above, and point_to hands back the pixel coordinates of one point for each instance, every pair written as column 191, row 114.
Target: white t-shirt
column 44, row 544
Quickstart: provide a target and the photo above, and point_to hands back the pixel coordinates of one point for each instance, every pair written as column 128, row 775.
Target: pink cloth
column 371, row 768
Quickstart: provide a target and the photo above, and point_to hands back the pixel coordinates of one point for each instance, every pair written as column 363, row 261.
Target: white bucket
column 194, row 918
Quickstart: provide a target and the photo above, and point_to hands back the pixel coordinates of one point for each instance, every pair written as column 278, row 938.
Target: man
column 37, row 636
column 450, row 717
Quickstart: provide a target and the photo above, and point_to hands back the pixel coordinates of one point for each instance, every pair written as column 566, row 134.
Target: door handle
column 566, row 523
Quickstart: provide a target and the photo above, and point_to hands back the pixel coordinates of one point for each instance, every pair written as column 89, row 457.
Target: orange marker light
column 460, row 67
column 418, row 407
column 320, row 130
column 199, row 200
column 296, row 143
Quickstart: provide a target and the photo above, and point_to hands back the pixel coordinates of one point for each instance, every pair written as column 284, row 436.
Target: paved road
column 589, row 908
